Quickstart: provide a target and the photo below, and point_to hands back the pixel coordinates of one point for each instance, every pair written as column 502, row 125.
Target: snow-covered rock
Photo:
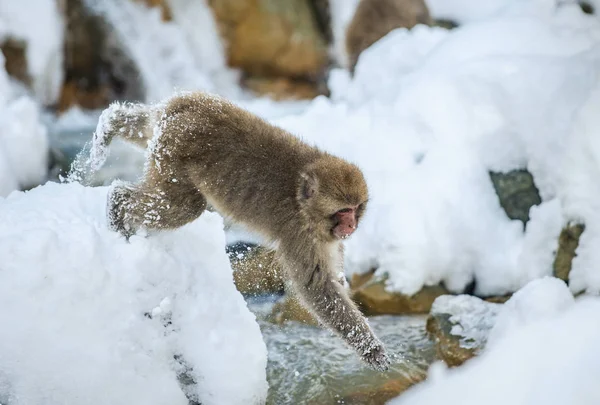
column 553, row 360
column 89, row 318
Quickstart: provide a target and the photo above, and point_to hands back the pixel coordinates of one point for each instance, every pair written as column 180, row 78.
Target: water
column 309, row 365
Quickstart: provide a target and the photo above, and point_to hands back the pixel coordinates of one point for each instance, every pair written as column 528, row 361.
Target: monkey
column 203, row 149
column 373, row 19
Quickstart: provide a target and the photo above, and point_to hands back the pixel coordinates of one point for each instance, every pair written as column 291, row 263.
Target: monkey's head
column 332, row 195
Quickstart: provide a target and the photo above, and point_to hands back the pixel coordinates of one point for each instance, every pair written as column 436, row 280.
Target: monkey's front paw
column 377, row 358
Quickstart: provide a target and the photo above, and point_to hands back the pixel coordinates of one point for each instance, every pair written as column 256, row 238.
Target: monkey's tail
column 133, row 122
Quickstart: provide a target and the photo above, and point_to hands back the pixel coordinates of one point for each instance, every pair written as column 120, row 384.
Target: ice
column 73, row 299
column 554, row 360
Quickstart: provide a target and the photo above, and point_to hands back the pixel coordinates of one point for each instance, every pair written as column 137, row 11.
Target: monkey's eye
column 345, row 210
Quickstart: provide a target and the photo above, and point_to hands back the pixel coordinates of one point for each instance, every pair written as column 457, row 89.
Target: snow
column 40, row 25
column 471, row 317
column 430, row 112
column 551, row 361
column 580, row 194
column 543, row 349
column 342, row 12
column 196, row 20
column 539, row 299
column 23, row 139
column 170, row 56
column 73, row 297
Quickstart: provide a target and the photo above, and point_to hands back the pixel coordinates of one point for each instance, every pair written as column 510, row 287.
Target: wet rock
column 369, row 292
column 15, row 60
column 459, row 326
column 380, row 394
column 567, row 244
column 271, row 37
column 288, row 309
column 255, row 270
column 517, row 193
column 283, row 88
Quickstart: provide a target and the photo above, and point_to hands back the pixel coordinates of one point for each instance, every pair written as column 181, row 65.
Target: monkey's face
column 345, row 221
column 333, row 199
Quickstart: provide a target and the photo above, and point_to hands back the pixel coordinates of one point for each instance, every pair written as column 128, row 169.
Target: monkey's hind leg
column 152, row 205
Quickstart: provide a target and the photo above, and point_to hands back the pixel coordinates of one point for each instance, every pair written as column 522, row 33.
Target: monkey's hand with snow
column 205, row 149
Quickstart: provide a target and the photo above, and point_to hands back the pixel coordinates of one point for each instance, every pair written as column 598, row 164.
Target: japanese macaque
column 303, row 200
column 373, row 19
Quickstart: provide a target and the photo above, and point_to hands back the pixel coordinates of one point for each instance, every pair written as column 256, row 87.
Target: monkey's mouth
column 342, row 232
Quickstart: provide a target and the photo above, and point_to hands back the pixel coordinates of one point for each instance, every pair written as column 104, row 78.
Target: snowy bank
column 23, row 139
column 546, row 354
column 91, row 319
column 431, row 112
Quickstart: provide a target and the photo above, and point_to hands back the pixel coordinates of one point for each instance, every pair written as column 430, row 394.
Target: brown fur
column 374, row 19
column 207, row 149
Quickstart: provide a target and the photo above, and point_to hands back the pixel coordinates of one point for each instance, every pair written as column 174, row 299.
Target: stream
column 310, row 365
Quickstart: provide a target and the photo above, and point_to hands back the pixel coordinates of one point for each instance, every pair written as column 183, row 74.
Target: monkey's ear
column 309, row 185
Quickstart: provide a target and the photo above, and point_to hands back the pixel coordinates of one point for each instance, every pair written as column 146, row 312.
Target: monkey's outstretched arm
column 319, row 289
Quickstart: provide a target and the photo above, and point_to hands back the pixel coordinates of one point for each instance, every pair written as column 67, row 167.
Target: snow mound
column 539, row 299
column 92, row 319
column 552, row 361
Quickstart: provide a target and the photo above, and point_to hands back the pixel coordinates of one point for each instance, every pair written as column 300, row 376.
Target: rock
column 567, row 244
column 15, row 60
column 380, row 394
column 499, row 299
column 283, row 88
column 459, row 326
column 586, row 7
column 96, row 97
column 370, row 294
column 165, row 11
column 517, row 193
column 289, row 308
column 322, row 12
column 271, row 37
column 374, row 19
column 255, row 270
column 448, row 24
